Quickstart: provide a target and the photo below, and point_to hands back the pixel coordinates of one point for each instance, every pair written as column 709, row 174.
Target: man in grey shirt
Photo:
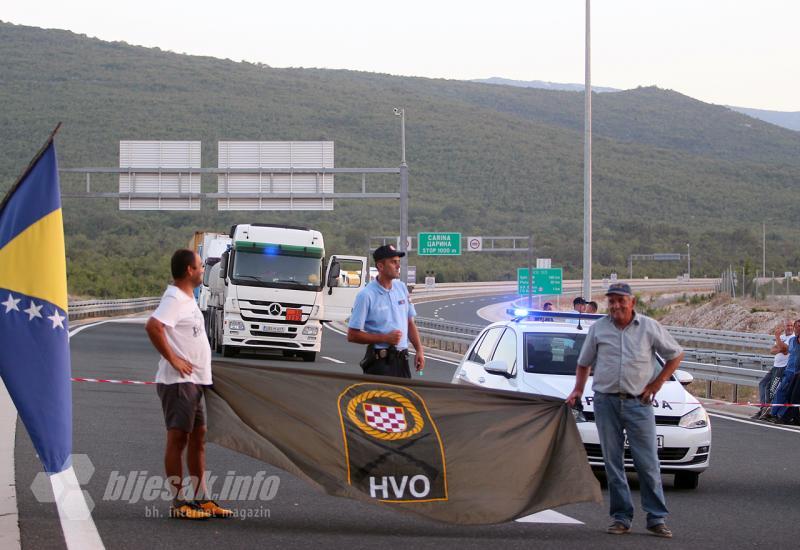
column 621, row 348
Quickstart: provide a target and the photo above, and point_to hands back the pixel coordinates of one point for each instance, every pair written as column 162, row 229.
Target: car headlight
column 310, row 331
column 698, row 418
column 236, row 325
column 578, row 415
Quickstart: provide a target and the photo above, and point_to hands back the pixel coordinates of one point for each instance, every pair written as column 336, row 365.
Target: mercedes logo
column 275, row 309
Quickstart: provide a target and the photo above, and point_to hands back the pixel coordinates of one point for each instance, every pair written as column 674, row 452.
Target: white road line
column 549, row 516
column 79, row 529
column 752, row 423
column 332, row 359
column 9, row 512
column 427, row 355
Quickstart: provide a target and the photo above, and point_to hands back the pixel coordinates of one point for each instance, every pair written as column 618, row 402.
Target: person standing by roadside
column 177, row 331
column 579, row 304
column 769, row 384
column 782, row 394
column 621, row 348
column 383, row 318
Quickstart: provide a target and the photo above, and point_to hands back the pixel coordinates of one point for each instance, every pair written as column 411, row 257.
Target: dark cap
column 578, row 301
column 387, row 251
column 623, row 289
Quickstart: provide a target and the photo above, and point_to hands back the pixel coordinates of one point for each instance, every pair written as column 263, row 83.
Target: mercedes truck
column 274, row 287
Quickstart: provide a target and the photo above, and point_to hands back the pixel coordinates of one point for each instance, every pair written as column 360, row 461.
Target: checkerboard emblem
column 384, row 418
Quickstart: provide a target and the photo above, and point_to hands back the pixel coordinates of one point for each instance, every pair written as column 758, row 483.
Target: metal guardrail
column 99, row 308
column 710, row 365
column 724, row 337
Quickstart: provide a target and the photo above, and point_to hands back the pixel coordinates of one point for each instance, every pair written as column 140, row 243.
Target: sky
column 729, row 52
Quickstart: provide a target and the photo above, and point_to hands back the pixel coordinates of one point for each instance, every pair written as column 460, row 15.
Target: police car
column 537, row 352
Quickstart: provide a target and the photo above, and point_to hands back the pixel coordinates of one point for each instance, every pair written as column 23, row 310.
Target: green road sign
column 439, row 244
column 545, row 281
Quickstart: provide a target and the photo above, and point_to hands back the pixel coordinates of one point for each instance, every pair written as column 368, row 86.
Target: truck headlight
column 310, row 331
column 698, row 418
column 236, row 325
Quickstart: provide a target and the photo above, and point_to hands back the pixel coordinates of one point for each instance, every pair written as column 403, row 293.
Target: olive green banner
column 449, row 452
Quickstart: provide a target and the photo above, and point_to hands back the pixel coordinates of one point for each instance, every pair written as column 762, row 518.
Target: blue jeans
column 782, row 393
column 613, row 415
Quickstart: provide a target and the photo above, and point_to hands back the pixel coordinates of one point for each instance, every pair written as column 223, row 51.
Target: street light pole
column 403, row 195
column 587, row 166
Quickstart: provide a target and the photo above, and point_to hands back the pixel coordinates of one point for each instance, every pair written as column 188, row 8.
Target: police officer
column 383, row 318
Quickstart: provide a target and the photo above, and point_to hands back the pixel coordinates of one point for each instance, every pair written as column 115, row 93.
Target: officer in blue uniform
column 383, row 318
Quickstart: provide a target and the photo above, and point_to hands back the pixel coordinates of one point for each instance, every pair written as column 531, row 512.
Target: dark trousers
column 386, row 362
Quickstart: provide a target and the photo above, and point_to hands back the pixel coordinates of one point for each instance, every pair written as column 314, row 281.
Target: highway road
column 748, row 498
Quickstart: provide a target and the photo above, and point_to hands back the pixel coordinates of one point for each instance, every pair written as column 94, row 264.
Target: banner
column 452, row 453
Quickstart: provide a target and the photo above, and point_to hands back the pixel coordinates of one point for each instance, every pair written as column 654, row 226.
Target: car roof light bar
column 519, row 314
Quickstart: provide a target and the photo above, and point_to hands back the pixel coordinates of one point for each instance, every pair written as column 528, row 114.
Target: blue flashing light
column 273, row 250
column 520, row 312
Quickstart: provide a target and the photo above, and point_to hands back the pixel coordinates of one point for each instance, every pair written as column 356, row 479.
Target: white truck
column 210, row 247
column 274, row 288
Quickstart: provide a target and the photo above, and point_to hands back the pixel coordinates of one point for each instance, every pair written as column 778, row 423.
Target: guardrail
column 100, row 308
column 723, row 337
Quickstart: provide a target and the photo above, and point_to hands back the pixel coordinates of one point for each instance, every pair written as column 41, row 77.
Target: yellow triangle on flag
column 34, row 262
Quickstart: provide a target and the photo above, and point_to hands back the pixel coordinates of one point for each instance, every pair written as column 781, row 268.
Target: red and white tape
column 111, row 381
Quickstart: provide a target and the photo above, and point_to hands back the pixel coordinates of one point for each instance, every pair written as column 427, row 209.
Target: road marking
column 332, row 359
column 436, row 357
column 549, row 516
column 9, row 512
column 762, row 424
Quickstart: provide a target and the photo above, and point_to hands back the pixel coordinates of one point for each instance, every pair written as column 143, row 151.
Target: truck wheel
column 687, row 480
column 229, row 351
column 308, row 356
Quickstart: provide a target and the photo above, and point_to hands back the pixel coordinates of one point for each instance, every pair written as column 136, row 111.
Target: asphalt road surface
column 749, row 498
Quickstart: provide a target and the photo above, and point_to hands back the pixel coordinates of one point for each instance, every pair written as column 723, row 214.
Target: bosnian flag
column 34, row 341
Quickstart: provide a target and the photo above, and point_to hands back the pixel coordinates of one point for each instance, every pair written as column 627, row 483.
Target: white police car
column 538, row 354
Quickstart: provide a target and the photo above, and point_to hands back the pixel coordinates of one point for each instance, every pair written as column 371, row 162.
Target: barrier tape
column 111, row 381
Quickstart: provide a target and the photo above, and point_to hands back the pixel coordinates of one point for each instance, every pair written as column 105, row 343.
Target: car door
column 504, row 352
column 345, row 276
column 471, row 370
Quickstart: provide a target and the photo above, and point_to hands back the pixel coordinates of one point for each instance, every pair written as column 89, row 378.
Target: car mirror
column 498, row 367
column 683, row 377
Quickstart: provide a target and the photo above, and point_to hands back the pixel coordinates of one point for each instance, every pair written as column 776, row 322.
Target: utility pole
column 688, row 261
column 587, row 164
column 403, row 195
column 764, row 248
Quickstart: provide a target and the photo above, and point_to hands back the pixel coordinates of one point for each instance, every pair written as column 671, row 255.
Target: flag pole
column 30, row 167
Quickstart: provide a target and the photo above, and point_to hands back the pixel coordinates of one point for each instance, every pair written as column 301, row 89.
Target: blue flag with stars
column 34, row 340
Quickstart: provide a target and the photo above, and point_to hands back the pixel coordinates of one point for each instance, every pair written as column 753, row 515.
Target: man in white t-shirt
column 177, row 331
column 770, row 382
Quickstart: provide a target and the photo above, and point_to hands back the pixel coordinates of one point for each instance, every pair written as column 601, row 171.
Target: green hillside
column 484, row 160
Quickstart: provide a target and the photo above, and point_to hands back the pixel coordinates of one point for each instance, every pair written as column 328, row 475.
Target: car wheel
column 308, row 356
column 229, row 351
column 687, row 480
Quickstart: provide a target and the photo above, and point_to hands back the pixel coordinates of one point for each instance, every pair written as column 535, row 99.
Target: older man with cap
column 383, row 318
column 621, row 347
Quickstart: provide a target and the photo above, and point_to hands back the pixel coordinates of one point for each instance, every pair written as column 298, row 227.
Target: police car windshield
column 552, row 353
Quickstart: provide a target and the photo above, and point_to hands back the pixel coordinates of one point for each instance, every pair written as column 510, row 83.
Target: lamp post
column 400, row 112
column 587, row 164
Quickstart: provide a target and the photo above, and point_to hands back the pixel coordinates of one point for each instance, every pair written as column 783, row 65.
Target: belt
column 621, row 395
column 384, row 353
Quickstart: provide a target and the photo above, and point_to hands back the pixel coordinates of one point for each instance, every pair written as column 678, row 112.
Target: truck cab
column 274, row 287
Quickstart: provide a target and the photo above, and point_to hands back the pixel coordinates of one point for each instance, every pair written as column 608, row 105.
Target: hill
column 484, row 159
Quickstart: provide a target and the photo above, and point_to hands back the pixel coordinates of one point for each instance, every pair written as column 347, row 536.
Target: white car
column 539, row 355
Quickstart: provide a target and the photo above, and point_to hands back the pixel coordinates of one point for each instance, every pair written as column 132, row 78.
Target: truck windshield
column 276, row 270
